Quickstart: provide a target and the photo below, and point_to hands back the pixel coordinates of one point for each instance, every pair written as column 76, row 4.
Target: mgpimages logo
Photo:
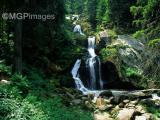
column 29, row 16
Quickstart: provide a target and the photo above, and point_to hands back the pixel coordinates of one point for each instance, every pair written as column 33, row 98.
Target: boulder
column 148, row 116
column 125, row 101
column 126, row 114
column 76, row 101
column 135, row 102
column 5, row 82
column 89, row 105
column 121, row 105
column 124, row 53
column 140, row 109
column 140, row 118
column 100, row 102
column 102, row 116
column 102, row 107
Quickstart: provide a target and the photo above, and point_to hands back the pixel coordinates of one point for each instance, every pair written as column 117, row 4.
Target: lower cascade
column 93, row 66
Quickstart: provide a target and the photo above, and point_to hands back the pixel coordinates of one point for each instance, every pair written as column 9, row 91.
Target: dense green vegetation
column 36, row 56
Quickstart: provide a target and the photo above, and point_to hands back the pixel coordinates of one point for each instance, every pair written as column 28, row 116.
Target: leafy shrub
column 112, row 34
column 4, row 69
column 57, row 111
column 132, row 72
column 20, row 81
column 14, row 107
column 139, row 34
column 6, row 91
column 154, row 43
column 6, row 45
column 108, row 53
column 36, row 77
column 150, row 107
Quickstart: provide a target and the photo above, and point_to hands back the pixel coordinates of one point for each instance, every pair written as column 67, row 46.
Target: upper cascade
column 78, row 29
column 91, row 44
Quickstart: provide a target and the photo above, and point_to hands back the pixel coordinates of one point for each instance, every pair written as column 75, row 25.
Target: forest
column 80, row 60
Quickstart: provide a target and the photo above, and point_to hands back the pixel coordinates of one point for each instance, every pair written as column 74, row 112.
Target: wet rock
column 102, row 116
column 126, row 114
column 111, row 99
column 100, row 102
column 70, row 95
column 102, row 107
column 130, row 105
column 140, row 118
column 84, row 98
column 89, row 105
column 114, row 110
column 121, row 105
column 76, row 101
column 126, row 101
column 140, row 109
column 109, row 107
column 106, row 93
column 148, row 116
column 107, row 101
column 134, row 102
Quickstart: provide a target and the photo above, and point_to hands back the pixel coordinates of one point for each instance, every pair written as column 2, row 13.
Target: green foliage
column 112, row 34
column 57, row 111
column 14, row 107
column 75, row 6
column 92, row 9
column 4, row 69
column 150, row 107
column 20, row 81
column 108, row 53
column 6, row 45
column 146, row 16
column 103, row 12
column 154, row 43
column 120, row 15
column 139, row 34
column 6, row 91
column 132, row 72
column 36, row 77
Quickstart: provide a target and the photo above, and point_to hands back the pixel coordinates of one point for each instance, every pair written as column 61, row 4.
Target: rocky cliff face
column 129, row 57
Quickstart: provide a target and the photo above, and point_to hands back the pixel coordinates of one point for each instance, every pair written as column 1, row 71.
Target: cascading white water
column 79, row 83
column 94, row 67
column 77, row 28
column 91, row 44
column 75, row 76
column 92, row 63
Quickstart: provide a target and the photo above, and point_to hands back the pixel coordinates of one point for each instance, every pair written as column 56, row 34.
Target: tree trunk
column 18, row 46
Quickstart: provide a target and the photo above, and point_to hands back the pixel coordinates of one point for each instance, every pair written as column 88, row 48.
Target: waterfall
column 76, row 77
column 93, row 65
column 78, row 29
